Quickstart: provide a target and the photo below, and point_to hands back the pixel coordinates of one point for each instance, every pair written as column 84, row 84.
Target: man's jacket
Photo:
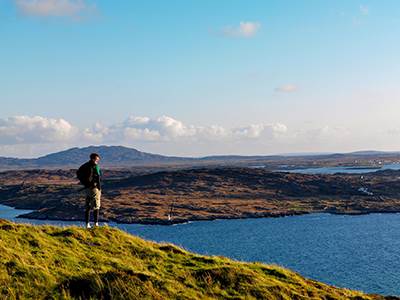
column 89, row 175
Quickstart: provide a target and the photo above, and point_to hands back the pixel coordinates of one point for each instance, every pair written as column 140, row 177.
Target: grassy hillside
column 49, row 262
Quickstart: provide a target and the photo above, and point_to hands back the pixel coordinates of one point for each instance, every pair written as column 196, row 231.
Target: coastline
column 172, row 222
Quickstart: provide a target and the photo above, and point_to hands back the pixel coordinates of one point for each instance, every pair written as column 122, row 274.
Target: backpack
column 81, row 174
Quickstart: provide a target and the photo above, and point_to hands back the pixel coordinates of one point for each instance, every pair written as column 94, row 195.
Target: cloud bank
column 33, row 130
column 32, row 136
column 37, row 129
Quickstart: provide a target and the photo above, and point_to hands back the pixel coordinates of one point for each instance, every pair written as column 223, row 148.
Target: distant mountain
column 115, row 155
column 9, row 163
column 373, row 152
column 119, row 156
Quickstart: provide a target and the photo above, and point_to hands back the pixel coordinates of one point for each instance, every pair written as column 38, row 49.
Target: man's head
column 94, row 157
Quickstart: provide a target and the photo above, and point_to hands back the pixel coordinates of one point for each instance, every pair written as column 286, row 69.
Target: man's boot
column 87, row 217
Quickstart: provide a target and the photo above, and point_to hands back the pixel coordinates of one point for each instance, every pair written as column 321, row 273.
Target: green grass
column 47, row 262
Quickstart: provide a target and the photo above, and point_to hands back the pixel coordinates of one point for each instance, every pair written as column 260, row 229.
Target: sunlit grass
column 38, row 262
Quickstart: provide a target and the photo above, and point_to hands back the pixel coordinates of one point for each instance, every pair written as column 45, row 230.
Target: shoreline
column 191, row 220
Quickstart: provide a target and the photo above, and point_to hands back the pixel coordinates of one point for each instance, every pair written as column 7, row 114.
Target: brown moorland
column 133, row 196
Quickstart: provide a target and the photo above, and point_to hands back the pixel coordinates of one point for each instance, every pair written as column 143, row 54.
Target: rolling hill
column 117, row 156
column 124, row 157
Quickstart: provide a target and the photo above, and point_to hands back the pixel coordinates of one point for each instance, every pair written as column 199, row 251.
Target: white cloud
column 287, row 88
column 167, row 129
column 321, row 138
column 145, row 134
column 211, row 133
column 164, row 129
column 244, row 30
column 53, row 8
column 31, row 130
column 256, row 131
column 24, row 136
column 328, row 133
column 96, row 133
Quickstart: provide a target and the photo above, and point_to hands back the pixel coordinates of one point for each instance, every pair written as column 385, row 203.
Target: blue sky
column 203, row 77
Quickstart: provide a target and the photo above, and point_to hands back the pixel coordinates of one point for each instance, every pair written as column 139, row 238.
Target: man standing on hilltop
column 89, row 175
